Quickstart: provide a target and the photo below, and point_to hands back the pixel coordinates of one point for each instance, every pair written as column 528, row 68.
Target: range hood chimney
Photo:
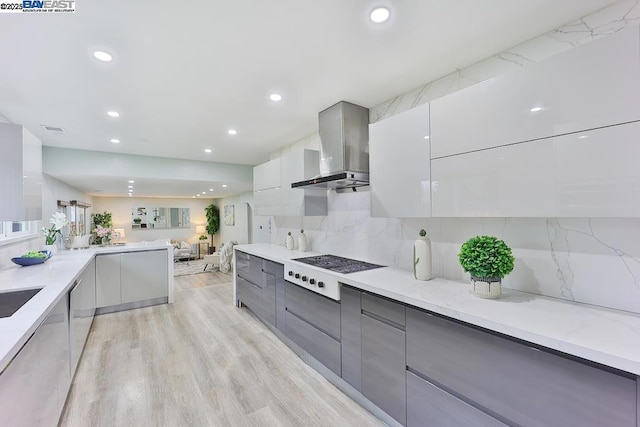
column 344, row 148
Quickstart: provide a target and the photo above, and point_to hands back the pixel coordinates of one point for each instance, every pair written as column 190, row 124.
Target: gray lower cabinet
column 34, row 386
column 82, row 308
column 351, row 336
column 428, row 405
column 260, row 286
column 131, row 277
column 313, row 322
column 108, row 280
column 517, row 383
column 383, row 355
column 143, row 275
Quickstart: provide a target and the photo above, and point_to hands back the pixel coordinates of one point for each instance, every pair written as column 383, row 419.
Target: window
column 10, row 230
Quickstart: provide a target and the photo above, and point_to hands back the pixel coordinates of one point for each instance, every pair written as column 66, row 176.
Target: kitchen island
column 439, row 321
column 56, row 277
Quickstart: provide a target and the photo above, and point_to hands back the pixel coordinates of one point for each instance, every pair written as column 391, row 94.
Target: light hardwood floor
column 199, row 362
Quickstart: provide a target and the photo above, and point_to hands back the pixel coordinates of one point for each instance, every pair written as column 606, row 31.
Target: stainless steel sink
column 10, row 302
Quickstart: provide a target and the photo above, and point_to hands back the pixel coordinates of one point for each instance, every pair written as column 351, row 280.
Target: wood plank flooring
column 199, row 362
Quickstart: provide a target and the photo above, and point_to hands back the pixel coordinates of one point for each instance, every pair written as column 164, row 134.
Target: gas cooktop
column 338, row 264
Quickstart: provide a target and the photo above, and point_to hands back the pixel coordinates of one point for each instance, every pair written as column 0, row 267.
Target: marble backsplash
column 588, row 260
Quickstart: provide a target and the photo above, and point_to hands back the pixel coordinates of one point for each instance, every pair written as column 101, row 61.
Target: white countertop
column 609, row 337
column 56, row 276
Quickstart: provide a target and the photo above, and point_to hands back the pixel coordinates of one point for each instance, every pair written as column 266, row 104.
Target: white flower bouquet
column 57, row 221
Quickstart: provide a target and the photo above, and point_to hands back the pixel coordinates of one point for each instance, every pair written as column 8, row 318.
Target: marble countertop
column 55, row 277
column 605, row 336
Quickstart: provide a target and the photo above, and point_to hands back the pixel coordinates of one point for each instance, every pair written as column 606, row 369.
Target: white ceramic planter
column 52, row 248
column 289, row 242
column 422, row 264
column 302, row 242
column 490, row 288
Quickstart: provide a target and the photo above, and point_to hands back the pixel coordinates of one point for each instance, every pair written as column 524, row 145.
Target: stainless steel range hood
column 344, row 148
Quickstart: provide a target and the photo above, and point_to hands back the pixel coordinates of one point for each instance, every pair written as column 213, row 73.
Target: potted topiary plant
column 213, row 221
column 487, row 259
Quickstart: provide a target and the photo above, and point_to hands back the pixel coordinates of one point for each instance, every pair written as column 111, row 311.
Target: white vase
column 289, row 242
column 51, row 248
column 302, row 242
column 422, row 264
column 490, row 288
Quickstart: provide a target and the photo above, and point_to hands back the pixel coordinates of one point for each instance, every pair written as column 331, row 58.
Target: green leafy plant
column 202, row 237
column 423, row 233
column 486, row 257
column 213, row 220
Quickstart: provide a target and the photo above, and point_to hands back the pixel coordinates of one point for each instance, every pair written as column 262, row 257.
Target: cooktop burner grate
column 338, row 264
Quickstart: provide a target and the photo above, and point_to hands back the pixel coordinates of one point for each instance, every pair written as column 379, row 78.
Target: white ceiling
column 185, row 72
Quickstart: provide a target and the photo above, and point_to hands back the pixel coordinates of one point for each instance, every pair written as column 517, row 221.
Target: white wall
column 242, row 230
column 121, row 207
column 590, row 260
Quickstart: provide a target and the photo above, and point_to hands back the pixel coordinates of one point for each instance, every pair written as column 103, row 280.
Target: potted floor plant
column 213, row 222
column 487, row 259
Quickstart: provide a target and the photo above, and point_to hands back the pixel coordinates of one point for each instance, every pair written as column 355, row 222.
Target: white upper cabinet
column 399, row 165
column 267, row 175
column 20, row 174
column 273, row 194
column 590, row 86
column 594, row 174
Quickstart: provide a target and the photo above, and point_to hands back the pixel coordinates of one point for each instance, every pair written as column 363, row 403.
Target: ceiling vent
column 54, row 129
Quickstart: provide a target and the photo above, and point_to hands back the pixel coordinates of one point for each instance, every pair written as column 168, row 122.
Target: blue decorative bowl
column 31, row 261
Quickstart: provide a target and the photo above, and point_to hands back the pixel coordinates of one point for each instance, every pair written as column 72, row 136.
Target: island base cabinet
column 427, row 405
column 521, row 384
column 143, row 275
column 34, row 386
column 249, row 294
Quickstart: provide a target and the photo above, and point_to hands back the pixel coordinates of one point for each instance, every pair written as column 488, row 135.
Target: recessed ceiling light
column 207, row 150
column 131, row 181
column 113, row 114
column 130, row 191
column 224, row 185
column 197, row 195
column 193, row 197
column 232, row 132
column 211, row 189
column 115, row 140
column 204, row 192
column 129, row 186
column 379, row 15
column 583, row 136
column 102, row 55
column 535, row 109
column 275, row 97
column 426, row 137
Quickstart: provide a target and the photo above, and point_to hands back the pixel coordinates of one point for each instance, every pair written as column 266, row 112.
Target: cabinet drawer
column 427, row 405
column 249, row 267
column 522, row 384
column 384, row 308
column 321, row 312
column 318, row 344
column 273, row 268
column 250, row 295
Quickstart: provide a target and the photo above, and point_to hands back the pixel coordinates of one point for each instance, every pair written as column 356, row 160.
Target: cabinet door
column 272, row 273
column 384, row 366
column 267, row 175
column 587, row 87
column 267, row 201
column 33, row 388
column 522, row 384
column 427, row 405
column 589, row 174
column 82, row 307
column 351, row 335
column 108, row 280
column 399, row 164
column 298, row 166
column 144, row 275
